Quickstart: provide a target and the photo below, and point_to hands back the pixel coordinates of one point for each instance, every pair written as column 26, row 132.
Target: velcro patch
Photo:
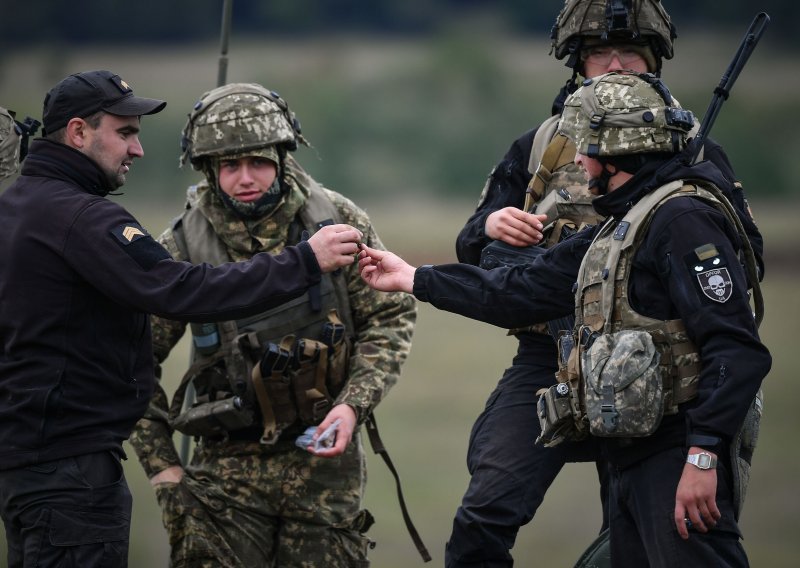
column 710, row 272
column 128, row 233
column 143, row 248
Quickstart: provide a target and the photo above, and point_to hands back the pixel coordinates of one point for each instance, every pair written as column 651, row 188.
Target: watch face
column 702, row 461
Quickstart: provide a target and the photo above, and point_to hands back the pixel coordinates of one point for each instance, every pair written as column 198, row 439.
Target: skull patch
column 716, row 284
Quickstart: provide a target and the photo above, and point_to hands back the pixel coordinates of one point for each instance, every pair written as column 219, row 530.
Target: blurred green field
column 400, row 126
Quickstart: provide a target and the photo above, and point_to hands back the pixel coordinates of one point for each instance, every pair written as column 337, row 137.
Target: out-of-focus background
column 408, row 106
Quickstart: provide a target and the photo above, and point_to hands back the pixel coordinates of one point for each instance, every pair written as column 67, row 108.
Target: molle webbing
column 603, row 303
column 307, row 332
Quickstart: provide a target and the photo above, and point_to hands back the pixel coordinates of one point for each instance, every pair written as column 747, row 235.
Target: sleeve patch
column 140, row 245
column 128, row 233
column 710, row 273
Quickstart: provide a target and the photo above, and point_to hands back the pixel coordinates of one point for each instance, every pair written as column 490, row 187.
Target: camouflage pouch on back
column 742, row 448
column 624, row 393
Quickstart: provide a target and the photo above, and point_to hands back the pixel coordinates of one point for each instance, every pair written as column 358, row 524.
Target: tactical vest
column 603, row 308
column 602, row 303
column 284, row 366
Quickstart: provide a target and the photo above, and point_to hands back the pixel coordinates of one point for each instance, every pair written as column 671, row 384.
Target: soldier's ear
column 75, row 133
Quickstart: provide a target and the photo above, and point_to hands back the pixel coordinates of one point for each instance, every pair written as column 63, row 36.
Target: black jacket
column 78, row 279
column 662, row 286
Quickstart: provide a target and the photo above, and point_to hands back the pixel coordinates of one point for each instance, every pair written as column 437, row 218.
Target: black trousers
column 643, row 533
column 73, row 512
column 509, row 473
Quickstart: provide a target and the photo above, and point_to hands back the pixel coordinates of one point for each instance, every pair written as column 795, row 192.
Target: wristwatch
column 703, row 460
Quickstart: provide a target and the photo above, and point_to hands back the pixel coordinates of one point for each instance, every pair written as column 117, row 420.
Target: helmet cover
column 620, row 113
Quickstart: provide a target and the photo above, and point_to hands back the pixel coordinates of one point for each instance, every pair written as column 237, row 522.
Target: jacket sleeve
column 384, row 327
column 508, row 296
column 505, row 187
column 719, row 322
column 151, row 439
column 108, row 248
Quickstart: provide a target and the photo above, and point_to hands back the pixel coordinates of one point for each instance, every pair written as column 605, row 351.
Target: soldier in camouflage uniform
column 537, row 176
column 664, row 361
column 9, row 145
column 251, row 496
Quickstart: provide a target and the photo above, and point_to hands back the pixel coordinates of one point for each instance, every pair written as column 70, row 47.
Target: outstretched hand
column 335, row 246
column 385, row 271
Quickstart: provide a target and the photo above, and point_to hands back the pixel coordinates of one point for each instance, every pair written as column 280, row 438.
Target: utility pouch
column 339, row 347
column 559, row 409
column 499, row 253
column 272, row 385
column 309, row 371
column 214, row 418
column 555, row 415
column 624, row 394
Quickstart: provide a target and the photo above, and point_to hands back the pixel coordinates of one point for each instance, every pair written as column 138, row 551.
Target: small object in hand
column 325, row 440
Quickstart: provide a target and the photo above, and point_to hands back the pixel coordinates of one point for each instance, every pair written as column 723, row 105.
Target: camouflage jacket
column 384, row 322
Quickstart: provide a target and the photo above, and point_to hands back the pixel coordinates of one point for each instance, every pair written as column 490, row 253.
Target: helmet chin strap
column 600, row 184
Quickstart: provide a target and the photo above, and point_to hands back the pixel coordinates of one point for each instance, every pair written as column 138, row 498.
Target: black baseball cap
column 83, row 94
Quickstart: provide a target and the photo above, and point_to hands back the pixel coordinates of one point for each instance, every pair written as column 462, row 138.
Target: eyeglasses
column 603, row 55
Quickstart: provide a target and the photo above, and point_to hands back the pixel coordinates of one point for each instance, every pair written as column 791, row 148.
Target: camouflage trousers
column 239, row 505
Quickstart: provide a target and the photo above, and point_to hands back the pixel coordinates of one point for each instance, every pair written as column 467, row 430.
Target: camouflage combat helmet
column 9, row 145
column 620, row 113
column 635, row 21
column 236, row 119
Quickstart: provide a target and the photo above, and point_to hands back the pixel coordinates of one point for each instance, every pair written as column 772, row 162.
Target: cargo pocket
column 94, row 539
column 352, row 540
column 190, row 527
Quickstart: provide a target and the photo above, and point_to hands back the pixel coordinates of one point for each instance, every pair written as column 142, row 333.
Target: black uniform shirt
column 78, row 278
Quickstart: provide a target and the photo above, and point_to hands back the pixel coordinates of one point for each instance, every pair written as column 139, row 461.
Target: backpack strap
column 550, row 151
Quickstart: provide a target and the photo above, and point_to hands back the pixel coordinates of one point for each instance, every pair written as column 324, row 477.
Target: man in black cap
column 79, row 277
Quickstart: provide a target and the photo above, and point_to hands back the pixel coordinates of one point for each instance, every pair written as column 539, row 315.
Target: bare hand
column 344, row 432
column 335, row 246
column 172, row 474
column 385, row 271
column 695, row 499
column 515, row 227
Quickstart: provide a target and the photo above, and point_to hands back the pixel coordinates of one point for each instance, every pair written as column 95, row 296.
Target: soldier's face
column 247, row 179
column 113, row 145
column 606, row 58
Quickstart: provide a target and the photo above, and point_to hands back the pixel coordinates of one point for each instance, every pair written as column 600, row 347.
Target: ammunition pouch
column 291, row 382
column 297, row 380
column 560, row 409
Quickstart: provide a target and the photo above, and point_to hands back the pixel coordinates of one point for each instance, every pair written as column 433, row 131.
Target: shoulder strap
column 317, row 212
column 378, row 448
column 550, row 151
column 632, row 229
